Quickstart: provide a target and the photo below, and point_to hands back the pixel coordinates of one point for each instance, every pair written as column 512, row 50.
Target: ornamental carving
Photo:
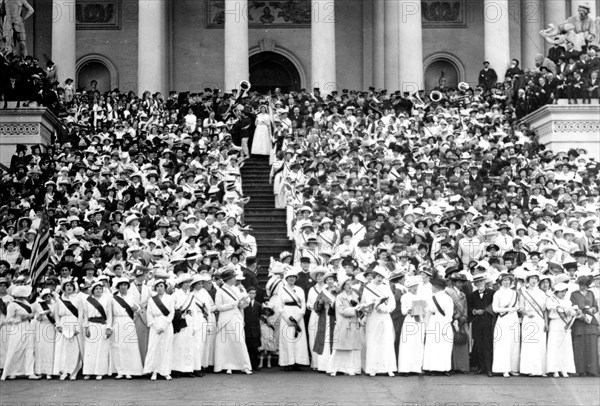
column 96, row 15
column 278, row 14
column 443, row 13
column 24, row 129
column 564, row 126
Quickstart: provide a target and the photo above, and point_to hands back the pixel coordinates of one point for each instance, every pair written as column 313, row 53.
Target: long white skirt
column 19, row 355
column 380, row 355
column 313, row 321
column 411, row 347
column 125, row 351
column 183, row 348
column 507, row 344
column 199, row 340
column 96, row 353
column 45, row 340
column 230, row 344
column 208, row 350
column 559, row 355
column 160, row 348
column 292, row 349
column 67, row 354
column 345, row 361
column 3, row 342
column 439, row 340
column 261, row 144
column 533, row 346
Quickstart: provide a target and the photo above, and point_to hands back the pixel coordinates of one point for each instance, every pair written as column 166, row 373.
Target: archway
column 438, row 63
column 98, row 68
column 269, row 70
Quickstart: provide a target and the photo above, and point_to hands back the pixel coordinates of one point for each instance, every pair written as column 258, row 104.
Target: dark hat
column 228, row 274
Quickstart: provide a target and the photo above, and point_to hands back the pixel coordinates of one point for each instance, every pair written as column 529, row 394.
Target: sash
column 295, row 298
column 45, row 307
column 330, row 242
column 203, row 310
column 562, row 315
column 185, row 309
column 3, row 307
column 372, row 291
column 69, row 305
column 124, row 305
column 91, row 300
column 359, row 229
column 435, row 302
column 160, row 305
column 513, row 305
column 24, row 306
column 229, row 293
column 532, row 302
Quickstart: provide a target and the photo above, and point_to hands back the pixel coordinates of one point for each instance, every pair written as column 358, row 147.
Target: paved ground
column 274, row 388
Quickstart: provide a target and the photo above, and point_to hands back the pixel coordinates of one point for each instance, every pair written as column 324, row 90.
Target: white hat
column 117, row 281
column 412, row 281
column 559, row 287
column 380, row 270
column 290, row 271
column 45, row 292
column 21, row 291
column 185, row 277
column 130, row 218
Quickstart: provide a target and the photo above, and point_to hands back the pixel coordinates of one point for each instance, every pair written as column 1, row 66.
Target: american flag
column 40, row 254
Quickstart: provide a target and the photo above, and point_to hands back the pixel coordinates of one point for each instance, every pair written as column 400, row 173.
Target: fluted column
column 532, row 42
column 153, row 46
column 323, row 64
column 497, row 38
column 410, row 46
column 391, row 39
column 237, row 62
column 378, row 43
column 63, row 38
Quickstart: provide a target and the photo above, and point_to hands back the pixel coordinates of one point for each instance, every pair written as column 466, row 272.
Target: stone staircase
column 269, row 223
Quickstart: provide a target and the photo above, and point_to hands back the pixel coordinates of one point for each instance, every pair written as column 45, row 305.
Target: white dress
column 200, row 328
column 261, row 143
column 6, row 299
column 346, row 356
column 230, row 344
column 160, row 341
column 183, row 341
column 313, row 320
column 125, row 351
column 68, row 351
column 208, row 349
column 19, row 355
column 96, row 349
column 439, row 336
column 293, row 348
column 507, row 333
column 559, row 354
column 412, row 338
column 533, row 336
column 380, row 354
column 45, row 340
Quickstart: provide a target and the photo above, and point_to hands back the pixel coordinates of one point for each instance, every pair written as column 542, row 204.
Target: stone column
column 378, row 43
column 532, row 42
column 497, row 39
column 153, row 47
column 411, row 46
column 554, row 13
column 237, row 62
column 63, row 39
column 323, row 64
column 392, row 50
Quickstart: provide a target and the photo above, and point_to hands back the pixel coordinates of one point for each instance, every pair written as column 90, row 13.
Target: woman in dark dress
column 585, row 330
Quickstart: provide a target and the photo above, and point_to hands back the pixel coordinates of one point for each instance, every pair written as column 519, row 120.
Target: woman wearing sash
column 293, row 348
column 585, row 329
column 199, row 321
column 328, row 238
column 125, row 352
column 324, row 307
column 97, row 324
column 161, row 308
column 140, row 292
column 357, row 229
column 5, row 299
column 183, row 340
column 316, row 274
column 261, row 143
column 68, row 354
column 19, row 354
column 439, row 336
column 561, row 313
column 346, row 357
column 412, row 337
column 208, row 348
column 45, row 333
column 231, row 352
column 532, row 304
column 380, row 353
column 507, row 331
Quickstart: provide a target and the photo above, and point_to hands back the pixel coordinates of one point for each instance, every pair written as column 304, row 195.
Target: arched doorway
column 99, row 68
column 434, row 71
column 269, row 70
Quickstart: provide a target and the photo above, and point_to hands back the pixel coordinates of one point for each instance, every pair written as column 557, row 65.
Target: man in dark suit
column 487, row 77
column 482, row 325
column 252, row 315
column 250, row 280
column 396, row 314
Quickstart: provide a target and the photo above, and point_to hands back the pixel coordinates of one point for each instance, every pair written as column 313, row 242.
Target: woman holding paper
column 412, row 338
column 231, row 352
column 324, row 335
column 380, row 355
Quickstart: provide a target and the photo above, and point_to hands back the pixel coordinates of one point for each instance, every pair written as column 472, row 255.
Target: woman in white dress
column 68, row 355
column 346, row 357
column 293, row 348
column 126, row 359
column 5, row 299
column 45, row 333
column 261, row 143
column 380, row 355
column 97, row 327
column 532, row 303
column 317, row 275
column 231, row 352
column 19, row 354
column 412, row 336
column 183, row 339
column 439, row 336
column 208, row 350
column 507, row 331
column 199, row 321
column 560, row 358
column 161, row 308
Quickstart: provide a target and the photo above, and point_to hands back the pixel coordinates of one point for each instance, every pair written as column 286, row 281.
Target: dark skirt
column 585, row 350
